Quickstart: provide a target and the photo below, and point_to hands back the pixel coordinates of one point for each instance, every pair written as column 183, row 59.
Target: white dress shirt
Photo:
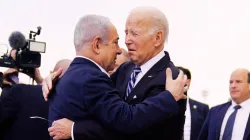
column 187, row 125
column 240, row 120
column 148, row 65
column 72, row 132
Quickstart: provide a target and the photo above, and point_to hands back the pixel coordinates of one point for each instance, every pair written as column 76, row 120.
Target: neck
column 150, row 57
column 239, row 101
column 91, row 56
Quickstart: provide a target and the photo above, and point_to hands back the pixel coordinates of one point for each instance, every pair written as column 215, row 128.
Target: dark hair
column 185, row 71
column 248, row 79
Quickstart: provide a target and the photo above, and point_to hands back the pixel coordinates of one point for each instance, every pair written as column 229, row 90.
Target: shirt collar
column 150, row 63
column 244, row 105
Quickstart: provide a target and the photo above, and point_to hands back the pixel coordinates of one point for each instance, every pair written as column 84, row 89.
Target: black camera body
column 28, row 52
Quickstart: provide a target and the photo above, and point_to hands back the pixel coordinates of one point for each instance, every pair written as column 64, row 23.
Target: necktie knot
column 132, row 79
column 137, row 69
column 237, row 107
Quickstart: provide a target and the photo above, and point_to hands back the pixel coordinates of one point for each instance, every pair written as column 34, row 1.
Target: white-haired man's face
column 140, row 39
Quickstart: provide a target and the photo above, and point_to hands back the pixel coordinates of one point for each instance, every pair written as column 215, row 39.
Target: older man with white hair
column 86, row 92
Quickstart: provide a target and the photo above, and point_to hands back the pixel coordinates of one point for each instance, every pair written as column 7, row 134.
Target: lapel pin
column 195, row 106
column 150, row 76
column 134, row 97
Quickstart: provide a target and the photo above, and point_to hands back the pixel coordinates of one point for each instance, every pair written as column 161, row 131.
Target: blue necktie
column 131, row 82
column 227, row 135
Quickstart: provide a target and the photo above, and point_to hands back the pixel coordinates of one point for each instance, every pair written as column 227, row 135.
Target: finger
column 48, row 81
column 57, row 137
column 184, row 96
column 50, row 129
column 169, row 75
column 45, row 91
column 180, row 75
column 184, row 80
column 5, row 82
column 52, row 134
column 58, row 73
column 11, row 71
column 185, row 89
column 54, row 123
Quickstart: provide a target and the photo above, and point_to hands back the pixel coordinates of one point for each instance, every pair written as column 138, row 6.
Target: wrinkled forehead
column 138, row 21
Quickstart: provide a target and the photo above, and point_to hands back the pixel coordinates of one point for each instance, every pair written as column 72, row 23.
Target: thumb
column 169, row 74
column 57, row 73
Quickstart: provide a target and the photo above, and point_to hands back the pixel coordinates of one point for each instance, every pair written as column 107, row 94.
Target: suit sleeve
column 1, row 111
column 95, row 132
column 103, row 101
column 204, row 130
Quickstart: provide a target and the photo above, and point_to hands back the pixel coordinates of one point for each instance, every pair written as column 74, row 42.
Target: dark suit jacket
column 19, row 104
column 151, row 84
column 212, row 125
column 198, row 115
column 84, row 92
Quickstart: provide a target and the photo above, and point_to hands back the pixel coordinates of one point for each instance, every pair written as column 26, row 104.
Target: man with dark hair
column 195, row 114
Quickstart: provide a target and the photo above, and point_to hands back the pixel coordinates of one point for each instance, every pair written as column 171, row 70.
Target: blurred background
column 209, row 37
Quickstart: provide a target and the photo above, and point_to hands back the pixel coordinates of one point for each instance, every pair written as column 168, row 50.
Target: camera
column 27, row 55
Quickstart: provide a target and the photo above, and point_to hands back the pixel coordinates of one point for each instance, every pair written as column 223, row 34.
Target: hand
column 176, row 87
column 38, row 78
column 47, row 82
column 61, row 129
column 6, row 74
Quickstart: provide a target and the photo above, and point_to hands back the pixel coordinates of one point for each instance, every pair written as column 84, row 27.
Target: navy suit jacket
column 212, row 125
column 151, row 84
column 198, row 115
column 85, row 92
column 18, row 105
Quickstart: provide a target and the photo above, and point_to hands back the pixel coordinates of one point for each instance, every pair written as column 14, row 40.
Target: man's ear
column 158, row 38
column 96, row 44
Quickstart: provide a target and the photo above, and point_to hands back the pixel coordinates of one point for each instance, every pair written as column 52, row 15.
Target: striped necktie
column 132, row 79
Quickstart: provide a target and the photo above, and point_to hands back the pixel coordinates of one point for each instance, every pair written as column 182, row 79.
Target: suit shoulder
column 126, row 65
column 20, row 87
column 221, row 106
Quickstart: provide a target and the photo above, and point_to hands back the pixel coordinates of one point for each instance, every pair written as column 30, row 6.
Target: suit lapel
column 160, row 65
column 247, row 130
column 193, row 116
column 220, row 116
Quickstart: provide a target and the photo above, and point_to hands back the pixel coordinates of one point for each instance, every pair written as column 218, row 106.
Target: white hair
column 158, row 18
column 89, row 27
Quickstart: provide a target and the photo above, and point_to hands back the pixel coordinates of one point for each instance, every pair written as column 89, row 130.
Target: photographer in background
column 24, row 57
column 10, row 76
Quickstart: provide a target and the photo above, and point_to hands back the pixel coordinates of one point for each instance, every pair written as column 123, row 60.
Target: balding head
column 239, row 86
column 63, row 64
